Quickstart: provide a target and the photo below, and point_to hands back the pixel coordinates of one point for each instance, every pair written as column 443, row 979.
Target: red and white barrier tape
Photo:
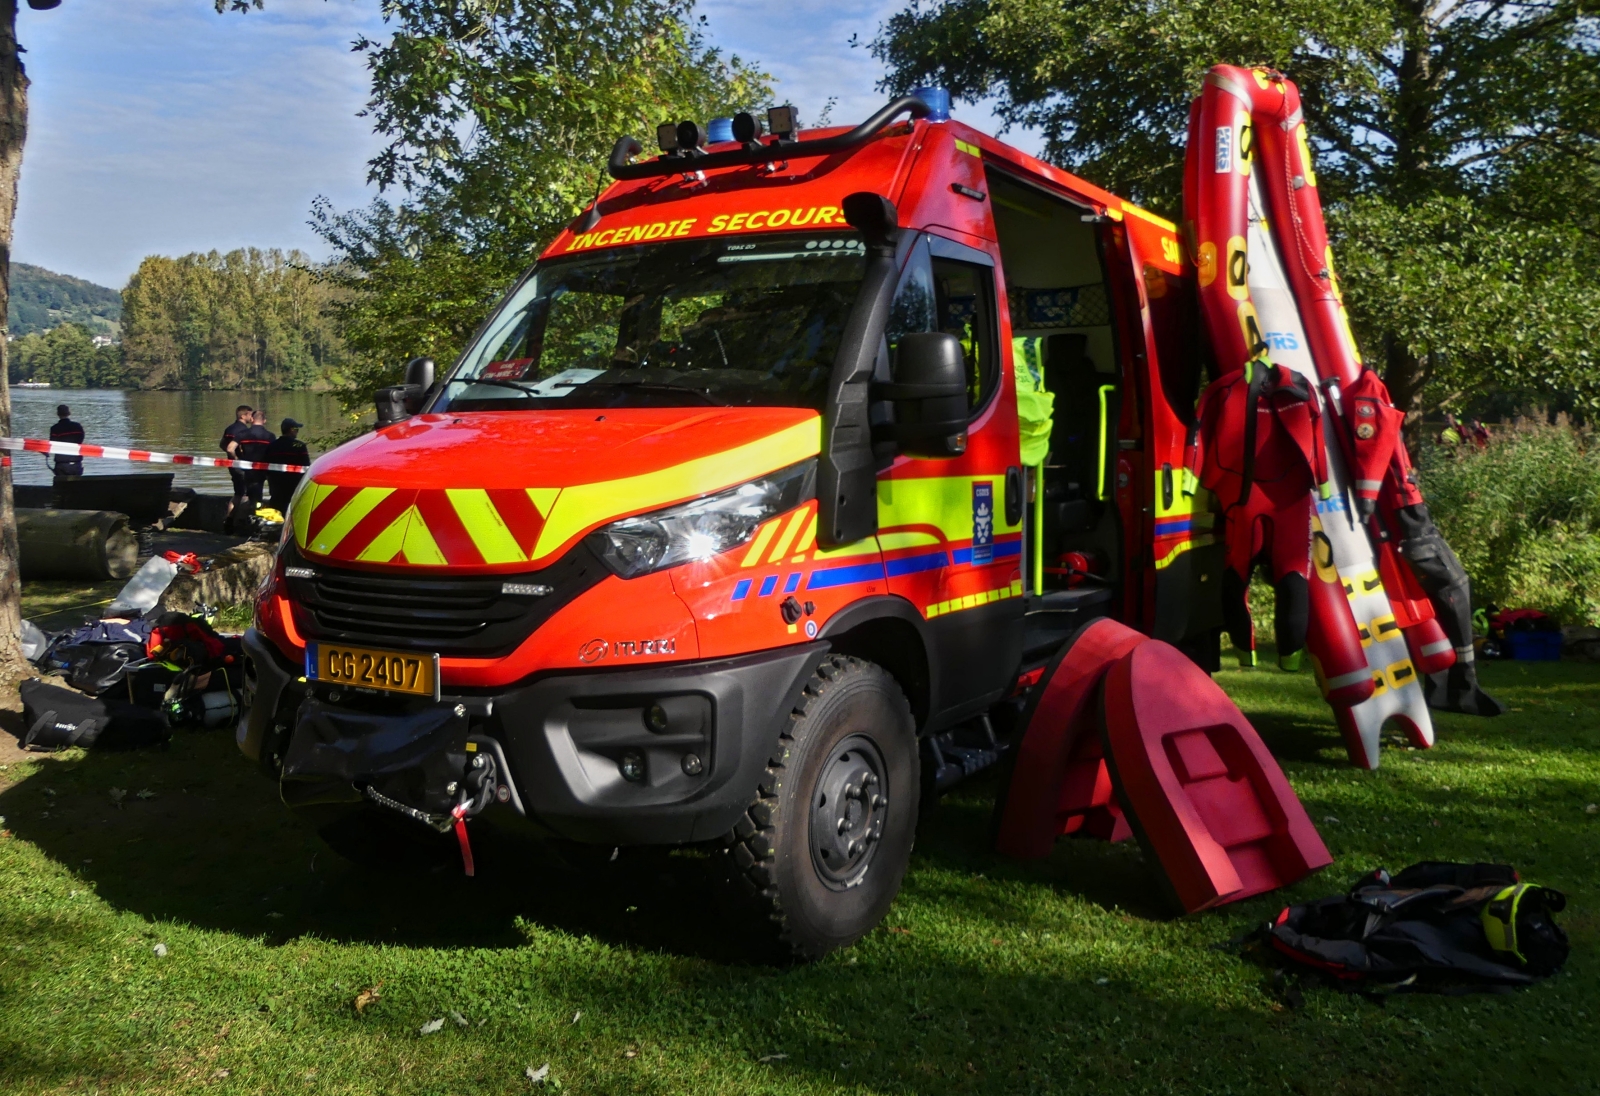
column 109, row 452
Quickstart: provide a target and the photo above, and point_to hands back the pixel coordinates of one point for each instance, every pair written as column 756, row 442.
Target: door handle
column 1014, row 499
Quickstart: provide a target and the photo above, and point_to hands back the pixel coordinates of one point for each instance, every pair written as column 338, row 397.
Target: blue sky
column 158, row 126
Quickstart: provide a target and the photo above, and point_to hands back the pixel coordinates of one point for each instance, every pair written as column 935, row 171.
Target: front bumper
column 564, row 738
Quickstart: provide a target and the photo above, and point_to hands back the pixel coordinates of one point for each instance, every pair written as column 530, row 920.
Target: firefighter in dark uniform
column 287, row 449
column 230, row 445
column 249, row 442
column 64, row 429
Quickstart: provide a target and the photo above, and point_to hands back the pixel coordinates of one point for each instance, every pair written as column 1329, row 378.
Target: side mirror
column 400, row 401
column 419, row 372
column 929, row 394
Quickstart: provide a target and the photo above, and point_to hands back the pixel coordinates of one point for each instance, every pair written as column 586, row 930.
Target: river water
column 167, row 422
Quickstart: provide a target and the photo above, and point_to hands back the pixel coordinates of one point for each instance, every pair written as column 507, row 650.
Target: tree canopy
column 66, row 356
column 499, row 119
column 249, row 318
column 1458, row 144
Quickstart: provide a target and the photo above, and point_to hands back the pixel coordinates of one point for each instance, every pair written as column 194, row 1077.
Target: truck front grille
column 464, row 616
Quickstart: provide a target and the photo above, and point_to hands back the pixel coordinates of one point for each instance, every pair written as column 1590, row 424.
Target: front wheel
column 823, row 848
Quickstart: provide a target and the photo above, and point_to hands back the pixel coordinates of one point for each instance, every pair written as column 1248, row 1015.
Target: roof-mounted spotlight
column 746, row 128
column 667, row 137
column 783, row 122
column 691, row 137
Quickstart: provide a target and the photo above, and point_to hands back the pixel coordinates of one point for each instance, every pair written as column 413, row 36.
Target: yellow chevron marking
column 419, row 546
column 587, row 505
column 485, row 525
column 305, row 501
column 543, row 498
column 387, row 544
column 808, row 539
column 329, row 536
column 759, row 545
column 789, row 532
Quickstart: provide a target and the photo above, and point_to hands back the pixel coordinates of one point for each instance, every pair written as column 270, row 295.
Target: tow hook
column 477, row 790
column 460, row 816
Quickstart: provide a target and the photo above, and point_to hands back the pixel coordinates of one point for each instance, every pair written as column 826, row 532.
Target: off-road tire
column 851, row 718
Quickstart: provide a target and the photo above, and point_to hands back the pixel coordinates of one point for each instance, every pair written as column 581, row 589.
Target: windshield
column 721, row 322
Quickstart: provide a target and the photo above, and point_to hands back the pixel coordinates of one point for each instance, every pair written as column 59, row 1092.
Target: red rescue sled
column 1203, row 794
column 1060, row 784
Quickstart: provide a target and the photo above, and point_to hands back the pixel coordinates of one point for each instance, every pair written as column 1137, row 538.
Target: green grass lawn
column 54, row 604
column 989, row 976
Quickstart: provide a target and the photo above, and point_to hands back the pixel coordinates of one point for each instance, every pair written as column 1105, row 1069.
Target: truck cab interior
column 1056, row 294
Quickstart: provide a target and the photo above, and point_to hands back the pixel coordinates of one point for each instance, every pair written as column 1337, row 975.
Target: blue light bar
column 938, row 100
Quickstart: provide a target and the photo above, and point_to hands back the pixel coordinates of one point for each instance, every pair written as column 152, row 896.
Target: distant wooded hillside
column 42, row 299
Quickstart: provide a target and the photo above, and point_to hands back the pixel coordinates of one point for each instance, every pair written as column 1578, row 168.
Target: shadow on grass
column 199, row 836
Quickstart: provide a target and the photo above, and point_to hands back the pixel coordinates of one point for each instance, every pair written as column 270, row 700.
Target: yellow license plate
column 368, row 668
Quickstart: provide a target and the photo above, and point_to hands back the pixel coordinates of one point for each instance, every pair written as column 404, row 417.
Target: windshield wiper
column 518, row 385
column 654, row 386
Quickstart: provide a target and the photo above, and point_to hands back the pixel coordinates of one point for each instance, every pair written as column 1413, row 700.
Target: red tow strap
column 460, row 815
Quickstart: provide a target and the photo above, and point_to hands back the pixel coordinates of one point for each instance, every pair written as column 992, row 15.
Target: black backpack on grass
column 57, row 718
column 1434, row 925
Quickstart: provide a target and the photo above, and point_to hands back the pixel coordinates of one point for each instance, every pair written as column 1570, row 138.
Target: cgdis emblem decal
column 593, row 651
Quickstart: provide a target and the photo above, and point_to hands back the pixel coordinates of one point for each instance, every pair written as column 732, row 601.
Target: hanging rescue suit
column 1267, row 288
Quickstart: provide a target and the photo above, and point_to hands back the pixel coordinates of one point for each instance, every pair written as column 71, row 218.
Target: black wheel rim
column 848, row 808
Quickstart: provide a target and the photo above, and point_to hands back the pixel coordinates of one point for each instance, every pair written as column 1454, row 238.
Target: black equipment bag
column 149, row 683
column 95, row 668
column 57, row 718
column 1435, row 924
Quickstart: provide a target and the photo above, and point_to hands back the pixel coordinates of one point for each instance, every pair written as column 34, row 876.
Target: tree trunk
column 13, row 132
column 1402, row 375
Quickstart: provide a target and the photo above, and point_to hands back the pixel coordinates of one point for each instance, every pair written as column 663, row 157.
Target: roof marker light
column 783, row 122
column 938, row 101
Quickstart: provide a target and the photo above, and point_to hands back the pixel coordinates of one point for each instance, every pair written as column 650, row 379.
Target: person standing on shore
column 288, row 449
column 64, row 429
column 244, row 420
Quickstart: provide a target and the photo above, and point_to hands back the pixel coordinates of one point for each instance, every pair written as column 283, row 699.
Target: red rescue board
column 1060, row 784
column 1203, row 794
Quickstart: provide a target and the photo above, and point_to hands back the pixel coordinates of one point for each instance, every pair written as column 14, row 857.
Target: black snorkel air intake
column 754, row 152
column 847, row 474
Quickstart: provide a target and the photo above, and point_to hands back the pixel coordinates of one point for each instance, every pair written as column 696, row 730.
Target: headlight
column 704, row 528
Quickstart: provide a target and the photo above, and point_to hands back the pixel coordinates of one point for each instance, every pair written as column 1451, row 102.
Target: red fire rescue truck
column 720, row 531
